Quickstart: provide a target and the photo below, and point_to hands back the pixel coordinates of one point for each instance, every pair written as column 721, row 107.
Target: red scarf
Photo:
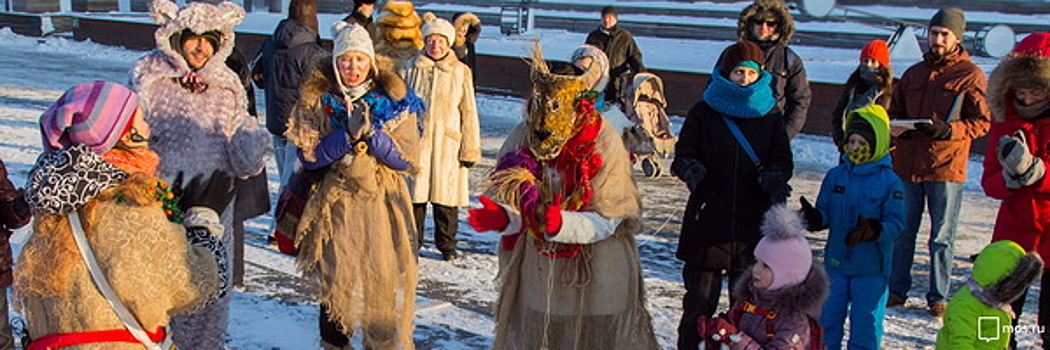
column 577, row 163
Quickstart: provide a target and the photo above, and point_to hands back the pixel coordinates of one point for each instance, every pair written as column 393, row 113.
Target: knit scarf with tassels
column 519, row 177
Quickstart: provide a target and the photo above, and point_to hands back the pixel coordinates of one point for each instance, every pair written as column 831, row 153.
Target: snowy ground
column 455, row 299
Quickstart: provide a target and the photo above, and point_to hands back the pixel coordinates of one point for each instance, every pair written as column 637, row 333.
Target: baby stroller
column 649, row 139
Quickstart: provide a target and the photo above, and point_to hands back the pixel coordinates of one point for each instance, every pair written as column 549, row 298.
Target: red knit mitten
column 553, row 216
column 490, row 217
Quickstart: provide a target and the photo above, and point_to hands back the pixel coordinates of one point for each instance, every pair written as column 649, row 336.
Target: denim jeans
column 943, row 199
column 287, row 157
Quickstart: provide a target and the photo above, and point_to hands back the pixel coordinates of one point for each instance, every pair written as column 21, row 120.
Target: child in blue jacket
column 862, row 201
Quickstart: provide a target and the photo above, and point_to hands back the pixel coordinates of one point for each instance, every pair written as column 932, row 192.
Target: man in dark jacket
column 769, row 24
column 619, row 46
column 947, row 89
column 279, row 68
column 361, row 14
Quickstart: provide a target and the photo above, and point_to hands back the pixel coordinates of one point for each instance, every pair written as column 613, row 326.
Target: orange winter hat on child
column 877, row 50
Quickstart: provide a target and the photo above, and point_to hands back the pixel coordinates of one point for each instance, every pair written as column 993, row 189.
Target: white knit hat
column 348, row 37
column 441, row 27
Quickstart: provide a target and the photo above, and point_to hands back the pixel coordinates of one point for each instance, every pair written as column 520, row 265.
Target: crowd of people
column 140, row 194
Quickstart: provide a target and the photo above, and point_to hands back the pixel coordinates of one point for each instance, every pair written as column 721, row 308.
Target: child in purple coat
column 778, row 300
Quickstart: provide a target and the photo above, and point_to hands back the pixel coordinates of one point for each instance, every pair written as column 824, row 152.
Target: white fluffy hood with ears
column 199, row 17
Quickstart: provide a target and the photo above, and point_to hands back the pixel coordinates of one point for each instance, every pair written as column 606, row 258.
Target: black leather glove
column 867, row 230
column 690, row 171
column 774, row 183
column 213, row 192
column 466, row 164
column 814, row 220
column 936, row 130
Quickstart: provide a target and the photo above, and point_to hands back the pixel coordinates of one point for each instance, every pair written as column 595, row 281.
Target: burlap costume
column 569, row 296
column 355, row 234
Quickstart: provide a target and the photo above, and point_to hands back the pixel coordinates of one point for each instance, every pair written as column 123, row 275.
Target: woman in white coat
column 450, row 142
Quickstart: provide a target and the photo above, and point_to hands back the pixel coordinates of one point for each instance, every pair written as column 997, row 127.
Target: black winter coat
column 856, row 85
column 720, row 227
column 791, row 86
column 280, row 66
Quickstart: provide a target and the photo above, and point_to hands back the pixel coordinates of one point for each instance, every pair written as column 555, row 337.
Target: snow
column 455, row 300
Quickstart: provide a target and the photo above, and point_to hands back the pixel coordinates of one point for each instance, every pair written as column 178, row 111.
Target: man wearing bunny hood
column 197, row 108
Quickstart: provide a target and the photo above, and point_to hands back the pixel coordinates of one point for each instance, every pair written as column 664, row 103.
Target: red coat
column 1024, row 215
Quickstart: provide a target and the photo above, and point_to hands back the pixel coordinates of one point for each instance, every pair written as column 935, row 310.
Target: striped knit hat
column 95, row 114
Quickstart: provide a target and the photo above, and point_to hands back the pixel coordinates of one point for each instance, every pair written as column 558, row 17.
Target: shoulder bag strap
column 104, row 287
column 742, row 140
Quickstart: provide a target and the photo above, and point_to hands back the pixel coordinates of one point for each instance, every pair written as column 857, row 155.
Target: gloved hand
column 358, row 125
column 690, row 171
column 213, row 192
column 814, row 220
column 1020, row 167
column 774, row 183
column 553, row 216
column 1013, row 154
column 938, row 130
column 721, row 331
column 466, row 164
column 490, row 217
column 867, row 230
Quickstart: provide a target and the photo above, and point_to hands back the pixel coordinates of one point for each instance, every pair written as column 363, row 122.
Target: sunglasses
column 769, row 23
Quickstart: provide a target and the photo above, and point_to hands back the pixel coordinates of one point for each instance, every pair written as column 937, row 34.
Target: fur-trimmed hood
column 806, row 297
column 759, row 7
column 468, row 26
column 1013, row 71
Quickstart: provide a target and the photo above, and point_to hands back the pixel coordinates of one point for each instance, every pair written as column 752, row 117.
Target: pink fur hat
column 784, row 248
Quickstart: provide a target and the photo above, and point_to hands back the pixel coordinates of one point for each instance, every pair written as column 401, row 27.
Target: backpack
column 816, row 333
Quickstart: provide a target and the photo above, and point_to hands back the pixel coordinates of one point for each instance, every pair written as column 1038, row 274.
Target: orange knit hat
column 878, row 50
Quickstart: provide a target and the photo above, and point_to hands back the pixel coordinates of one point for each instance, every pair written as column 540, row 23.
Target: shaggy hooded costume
column 862, row 190
column 778, row 316
column 790, row 85
column 451, row 137
column 200, row 124
column 865, row 86
column 356, row 231
column 580, row 286
column 1001, row 275
column 148, row 260
column 1023, row 213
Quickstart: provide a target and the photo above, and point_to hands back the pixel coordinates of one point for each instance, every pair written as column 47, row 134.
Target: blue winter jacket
column 874, row 191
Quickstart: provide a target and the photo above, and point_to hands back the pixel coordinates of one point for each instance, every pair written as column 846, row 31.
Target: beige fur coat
column 450, row 129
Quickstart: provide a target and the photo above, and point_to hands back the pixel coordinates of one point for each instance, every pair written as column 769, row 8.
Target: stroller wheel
column 650, row 167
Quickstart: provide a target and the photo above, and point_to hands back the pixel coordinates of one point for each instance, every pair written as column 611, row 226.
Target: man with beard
column 948, row 90
column 769, row 24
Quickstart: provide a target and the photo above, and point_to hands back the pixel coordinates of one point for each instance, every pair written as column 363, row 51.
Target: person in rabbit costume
column 96, row 178
column 568, row 210
column 197, row 108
